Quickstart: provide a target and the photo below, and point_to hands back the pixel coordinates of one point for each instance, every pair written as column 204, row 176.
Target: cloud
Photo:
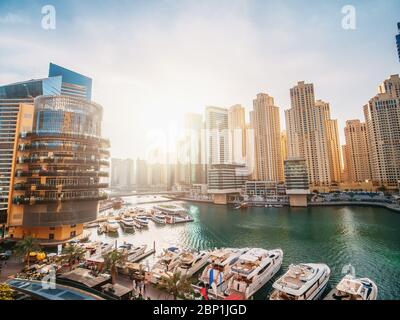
column 13, row 18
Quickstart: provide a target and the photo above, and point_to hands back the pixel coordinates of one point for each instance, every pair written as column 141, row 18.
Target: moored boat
column 352, row 288
column 306, row 281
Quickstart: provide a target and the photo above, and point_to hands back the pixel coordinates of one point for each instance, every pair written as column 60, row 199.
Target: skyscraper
column 332, row 136
column 141, row 174
column 307, row 133
column 267, row 143
column 357, row 157
column 72, row 83
column 217, row 136
column 32, row 88
column 284, row 147
column 237, row 133
column 398, row 40
column 382, row 118
column 122, row 173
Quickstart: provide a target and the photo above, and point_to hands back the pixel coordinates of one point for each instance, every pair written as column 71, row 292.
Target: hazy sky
column 152, row 61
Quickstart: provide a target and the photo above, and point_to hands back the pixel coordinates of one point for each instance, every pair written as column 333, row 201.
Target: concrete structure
column 311, row 135
column 225, row 180
column 16, row 115
column 264, row 188
column 267, row 144
column 382, row 118
column 237, row 133
column 284, row 146
column 296, row 181
column 357, row 156
column 58, row 169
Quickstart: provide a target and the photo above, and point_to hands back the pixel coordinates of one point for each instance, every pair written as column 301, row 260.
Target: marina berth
column 216, row 274
column 190, row 262
column 305, row 281
column 253, row 270
column 165, row 265
column 351, row 288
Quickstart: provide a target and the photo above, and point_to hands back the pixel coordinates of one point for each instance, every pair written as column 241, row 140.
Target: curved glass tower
column 60, row 169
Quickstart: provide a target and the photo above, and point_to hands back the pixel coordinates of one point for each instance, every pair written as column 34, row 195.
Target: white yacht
column 141, row 220
column 253, row 270
column 112, row 226
column 165, row 265
column 158, row 217
column 306, row 281
column 216, row 274
column 351, row 288
column 127, row 222
column 191, row 262
column 132, row 252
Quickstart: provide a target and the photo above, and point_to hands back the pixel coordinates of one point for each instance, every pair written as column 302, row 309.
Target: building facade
column 60, row 169
column 382, row 118
column 297, row 181
column 307, row 133
column 398, row 40
column 267, row 139
column 16, row 115
column 122, row 173
column 357, row 158
column 237, row 133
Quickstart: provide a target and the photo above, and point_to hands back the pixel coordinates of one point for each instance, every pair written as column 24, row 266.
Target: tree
column 111, row 260
column 176, row 285
column 25, row 246
column 6, row 293
column 73, row 253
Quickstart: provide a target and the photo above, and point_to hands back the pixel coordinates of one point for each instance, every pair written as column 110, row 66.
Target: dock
column 144, row 255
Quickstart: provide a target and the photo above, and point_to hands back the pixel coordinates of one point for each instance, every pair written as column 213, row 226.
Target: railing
column 20, row 200
column 71, row 173
column 28, row 186
column 72, row 136
column 46, row 147
column 61, row 161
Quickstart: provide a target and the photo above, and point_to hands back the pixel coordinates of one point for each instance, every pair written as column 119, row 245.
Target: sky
column 153, row 61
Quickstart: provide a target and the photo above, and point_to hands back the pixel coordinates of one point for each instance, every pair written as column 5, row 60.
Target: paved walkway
column 150, row 291
column 10, row 267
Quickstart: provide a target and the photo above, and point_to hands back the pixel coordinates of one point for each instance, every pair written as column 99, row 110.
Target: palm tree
column 25, row 246
column 176, row 285
column 73, row 253
column 111, row 260
column 6, row 293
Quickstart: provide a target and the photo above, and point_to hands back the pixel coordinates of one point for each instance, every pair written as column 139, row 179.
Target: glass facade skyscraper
column 32, row 88
column 73, row 83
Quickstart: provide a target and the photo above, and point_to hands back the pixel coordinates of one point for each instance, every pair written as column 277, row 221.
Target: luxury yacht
column 127, row 223
column 191, row 262
column 165, row 265
column 112, row 226
column 141, row 220
column 132, row 252
column 306, row 281
column 253, row 270
column 215, row 276
column 351, row 288
column 158, row 217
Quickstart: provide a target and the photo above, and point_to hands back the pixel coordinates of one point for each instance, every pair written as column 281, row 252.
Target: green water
column 366, row 238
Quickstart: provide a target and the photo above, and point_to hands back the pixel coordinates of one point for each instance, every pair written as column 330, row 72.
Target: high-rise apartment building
column 267, row 141
column 308, row 132
column 332, row 136
column 357, row 157
column 391, row 86
column 217, row 136
column 237, row 133
column 59, row 169
column 141, row 174
column 16, row 115
column 382, row 119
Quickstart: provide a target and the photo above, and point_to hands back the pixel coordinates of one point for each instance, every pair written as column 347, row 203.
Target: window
column 51, row 236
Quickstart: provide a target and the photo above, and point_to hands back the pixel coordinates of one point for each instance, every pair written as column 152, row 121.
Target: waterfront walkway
column 150, row 291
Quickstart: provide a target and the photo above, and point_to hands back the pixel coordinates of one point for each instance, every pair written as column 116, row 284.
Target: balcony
column 30, row 186
column 66, row 148
column 21, row 200
column 62, row 161
column 66, row 136
column 70, row 173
